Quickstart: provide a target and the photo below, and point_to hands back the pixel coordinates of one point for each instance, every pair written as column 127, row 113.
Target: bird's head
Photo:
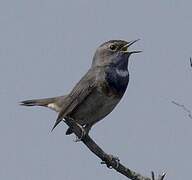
column 113, row 52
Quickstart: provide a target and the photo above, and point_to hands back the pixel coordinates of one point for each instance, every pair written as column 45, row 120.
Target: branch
column 184, row 108
column 111, row 161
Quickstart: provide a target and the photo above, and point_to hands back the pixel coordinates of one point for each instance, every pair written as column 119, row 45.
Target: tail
column 52, row 103
column 55, row 103
column 37, row 102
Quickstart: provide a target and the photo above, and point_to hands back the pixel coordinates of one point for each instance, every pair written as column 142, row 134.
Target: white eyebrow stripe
column 122, row 73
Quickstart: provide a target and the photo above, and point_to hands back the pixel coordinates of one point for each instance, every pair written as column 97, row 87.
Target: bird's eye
column 113, row 47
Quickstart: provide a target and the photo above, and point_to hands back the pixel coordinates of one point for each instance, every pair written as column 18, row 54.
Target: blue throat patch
column 115, row 81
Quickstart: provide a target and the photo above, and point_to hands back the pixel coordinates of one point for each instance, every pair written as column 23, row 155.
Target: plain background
column 46, row 46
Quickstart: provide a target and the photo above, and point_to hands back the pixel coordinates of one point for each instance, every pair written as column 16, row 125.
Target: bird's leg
column 83, row 133
column 85, row 130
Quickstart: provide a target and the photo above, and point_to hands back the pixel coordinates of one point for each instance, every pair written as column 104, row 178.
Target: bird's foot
column 111, row 160
column 84, row 132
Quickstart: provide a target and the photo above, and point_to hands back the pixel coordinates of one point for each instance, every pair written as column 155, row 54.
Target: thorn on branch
column 113, row 159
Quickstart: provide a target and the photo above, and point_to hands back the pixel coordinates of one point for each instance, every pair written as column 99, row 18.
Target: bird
column 98, row 92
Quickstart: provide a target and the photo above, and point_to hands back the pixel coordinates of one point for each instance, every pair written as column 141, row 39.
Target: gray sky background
column 46, row 46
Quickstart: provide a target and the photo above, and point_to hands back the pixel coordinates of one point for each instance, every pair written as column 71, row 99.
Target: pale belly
column 94, row 108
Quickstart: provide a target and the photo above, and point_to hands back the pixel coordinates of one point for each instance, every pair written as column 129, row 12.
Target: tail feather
column 54, row 103
column 28, row 103
column 38, row 102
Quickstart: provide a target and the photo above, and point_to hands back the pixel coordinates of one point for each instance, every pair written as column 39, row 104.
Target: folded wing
column 79, row 93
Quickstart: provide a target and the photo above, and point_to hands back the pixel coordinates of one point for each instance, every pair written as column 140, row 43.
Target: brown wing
column 79, row 93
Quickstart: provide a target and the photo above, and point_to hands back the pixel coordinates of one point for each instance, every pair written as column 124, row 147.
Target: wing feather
column 79, row 93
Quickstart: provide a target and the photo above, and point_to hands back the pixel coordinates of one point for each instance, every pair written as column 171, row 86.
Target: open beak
column 125, row 47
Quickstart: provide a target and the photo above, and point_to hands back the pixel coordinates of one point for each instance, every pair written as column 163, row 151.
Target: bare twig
column 184, row 108
column 110, row 160
column 161, row 177
column 153, row 175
